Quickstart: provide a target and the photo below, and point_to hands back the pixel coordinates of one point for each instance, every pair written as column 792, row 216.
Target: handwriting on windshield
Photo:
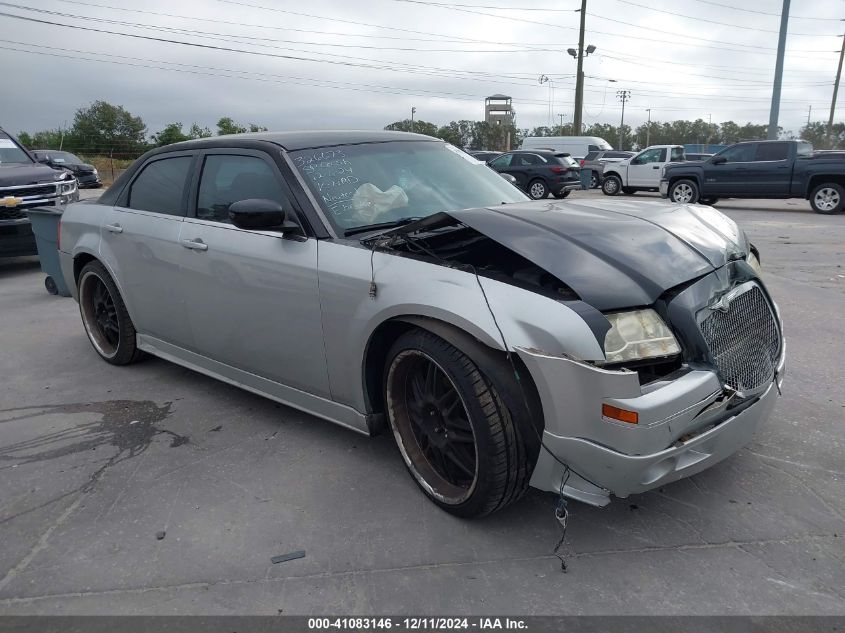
column 332, row 175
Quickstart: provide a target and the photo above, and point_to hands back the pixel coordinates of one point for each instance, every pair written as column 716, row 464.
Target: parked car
column 24, row 183
column 596, row 160
column 387, row 278
column 640, row 173
column 540, row 172
column 692, row 157
column 761, row 169
column 485, row 156
column 86, row 175
column 576, row 146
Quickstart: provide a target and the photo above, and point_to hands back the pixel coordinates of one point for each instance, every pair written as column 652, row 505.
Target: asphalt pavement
column 153, row 489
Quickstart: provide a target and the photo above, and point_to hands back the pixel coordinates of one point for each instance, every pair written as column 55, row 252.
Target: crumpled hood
column 614, row 253
column 12, row 175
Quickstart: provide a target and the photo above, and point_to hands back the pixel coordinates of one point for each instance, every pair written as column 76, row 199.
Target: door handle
column 656, row 167
column 113, row 228
column 195, row 244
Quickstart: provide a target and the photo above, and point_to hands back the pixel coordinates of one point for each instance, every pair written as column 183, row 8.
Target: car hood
column 614, row 254
column 81, row 168
column 25, row 174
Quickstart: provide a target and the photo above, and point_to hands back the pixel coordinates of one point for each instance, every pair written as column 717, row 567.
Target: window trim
column 123, row 200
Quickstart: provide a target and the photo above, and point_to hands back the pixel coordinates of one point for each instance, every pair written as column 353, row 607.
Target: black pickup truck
column 761, row 169
column 26, row 183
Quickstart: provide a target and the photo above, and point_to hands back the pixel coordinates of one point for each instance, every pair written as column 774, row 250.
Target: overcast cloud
column 678, row 66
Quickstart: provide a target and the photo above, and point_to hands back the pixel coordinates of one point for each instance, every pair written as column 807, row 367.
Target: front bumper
column 17, row 238
column 687, row 422
column 664, row 188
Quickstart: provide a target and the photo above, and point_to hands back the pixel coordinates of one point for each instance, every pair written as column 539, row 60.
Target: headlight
column 68, row 187
column 95, row 172
column 638, row 335
column 754, row 263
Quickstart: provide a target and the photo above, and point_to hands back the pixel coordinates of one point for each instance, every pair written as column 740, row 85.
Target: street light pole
column 579, row 78
column 622, row 95
column 835, row 91
column 775, row 109
column 413, row 111
column 648, row 128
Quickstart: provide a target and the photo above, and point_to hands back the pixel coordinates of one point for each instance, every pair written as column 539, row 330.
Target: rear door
column 252, row 296
column 770, row 174
column 644, row 169
column 140, row 245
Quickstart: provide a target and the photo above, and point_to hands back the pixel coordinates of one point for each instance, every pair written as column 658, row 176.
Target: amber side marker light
column 623, row 415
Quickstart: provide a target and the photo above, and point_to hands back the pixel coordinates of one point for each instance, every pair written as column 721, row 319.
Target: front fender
column 409, row 287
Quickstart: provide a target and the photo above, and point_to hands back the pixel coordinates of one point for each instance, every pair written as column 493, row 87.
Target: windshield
column 64, row 157
column 11, row 153
column 372, row 183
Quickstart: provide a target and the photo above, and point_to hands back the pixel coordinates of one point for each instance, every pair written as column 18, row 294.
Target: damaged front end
column 693, row 362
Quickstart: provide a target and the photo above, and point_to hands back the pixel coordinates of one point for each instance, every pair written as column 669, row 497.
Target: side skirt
column 309, row 403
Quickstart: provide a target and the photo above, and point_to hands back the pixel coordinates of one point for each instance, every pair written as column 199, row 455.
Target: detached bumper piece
column 685, row 423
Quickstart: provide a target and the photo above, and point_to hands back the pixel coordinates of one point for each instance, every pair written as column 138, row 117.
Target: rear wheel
column 562, row 194
column 538, row 190
column 683, row 192
column 629, row 191
column 105, row 317
column 453, row 430
column 611, row 185
column 708, row 201
column 827, row 198
column 594, row 180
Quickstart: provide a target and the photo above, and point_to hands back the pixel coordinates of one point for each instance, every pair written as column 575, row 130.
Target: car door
column 732, row 177
column 769, row 174
column 644, row 168
column 505, row 164
column 252, row 296
column 140, row 245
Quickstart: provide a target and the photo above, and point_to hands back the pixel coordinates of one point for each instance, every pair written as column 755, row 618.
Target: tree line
column 480, row 135
column 106, row 129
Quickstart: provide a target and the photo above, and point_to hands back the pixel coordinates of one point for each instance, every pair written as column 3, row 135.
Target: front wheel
column 562, row 194
column 708, row 201
column 827, row 198
column 629, row 191
column 611, row 185
column 105, row 317
column 455, row 434
column 684, row 192
column 538, row 190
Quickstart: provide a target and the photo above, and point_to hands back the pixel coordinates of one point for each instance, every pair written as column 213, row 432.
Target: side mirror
column 718, row 160
column 261, row 214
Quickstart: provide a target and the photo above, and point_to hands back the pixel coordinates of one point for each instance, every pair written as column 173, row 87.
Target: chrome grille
column 11, row 214
column 744, row 340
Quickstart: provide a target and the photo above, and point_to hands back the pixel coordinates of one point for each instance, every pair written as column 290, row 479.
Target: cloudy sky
column 364, row 63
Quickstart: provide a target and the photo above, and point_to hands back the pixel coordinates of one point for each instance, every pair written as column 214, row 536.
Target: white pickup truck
column 640, row 172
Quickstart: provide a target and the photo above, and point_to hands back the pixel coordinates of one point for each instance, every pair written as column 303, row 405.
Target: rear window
column 592, row 155
column 805, row 150
column 677, row 154
column 772, row 151
column 567, row 160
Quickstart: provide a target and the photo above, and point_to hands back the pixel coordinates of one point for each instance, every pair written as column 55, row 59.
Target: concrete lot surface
column 153, row 489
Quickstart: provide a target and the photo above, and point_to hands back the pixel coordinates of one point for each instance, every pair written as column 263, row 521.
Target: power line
column 728, row 24
column 777, row 15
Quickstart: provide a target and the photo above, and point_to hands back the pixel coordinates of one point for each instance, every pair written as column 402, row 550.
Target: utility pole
column 560, row 116
column 623, row 96
column 809, row 114
column 835, row 91
column 647, row 127
column 775, row 109
column 579, row 78
column 413, row 112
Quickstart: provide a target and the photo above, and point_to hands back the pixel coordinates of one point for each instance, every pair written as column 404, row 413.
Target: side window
column 592, row 155
column 772, row 151
column 650, row 156
column 160, row 186
column 677, row 154
column 592, row 148
column 740, row 153
column 228, row 178
column 502, row 161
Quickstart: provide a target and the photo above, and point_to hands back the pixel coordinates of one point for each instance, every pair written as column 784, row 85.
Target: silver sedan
column 383, row 280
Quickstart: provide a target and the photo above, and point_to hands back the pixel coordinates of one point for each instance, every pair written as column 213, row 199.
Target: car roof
column 293, row 141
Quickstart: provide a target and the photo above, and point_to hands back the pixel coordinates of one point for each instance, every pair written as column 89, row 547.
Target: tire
column 708, row 201
column 563, row 194
column 454, row 432
column 537, row 189
column 611, row 185
column 828, row 198
column 684, row 192
column 105, row 318
column 50, row 285
column 595, row 181
column 628, row 191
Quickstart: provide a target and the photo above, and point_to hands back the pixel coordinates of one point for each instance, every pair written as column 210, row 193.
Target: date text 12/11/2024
column 416, row 624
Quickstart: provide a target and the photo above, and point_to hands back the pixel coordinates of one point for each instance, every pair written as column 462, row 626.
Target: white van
column 575, row 146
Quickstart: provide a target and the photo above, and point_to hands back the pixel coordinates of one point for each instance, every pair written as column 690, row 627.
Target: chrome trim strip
column 42, row 184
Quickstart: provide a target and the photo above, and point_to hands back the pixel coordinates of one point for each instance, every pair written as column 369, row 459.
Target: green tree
column 257, row 128
column 227, row 126
column 816, row 133
column 26, row 140
column 172, row 133
column 102, row 128
column 199, row 132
